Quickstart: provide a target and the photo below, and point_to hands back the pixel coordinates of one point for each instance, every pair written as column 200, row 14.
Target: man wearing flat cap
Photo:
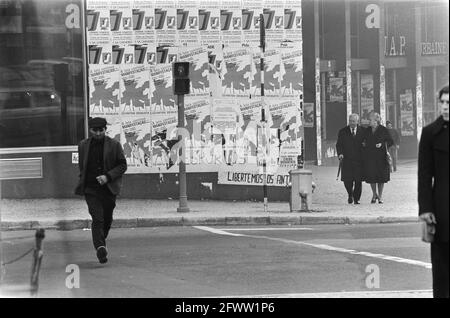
column 102, row 164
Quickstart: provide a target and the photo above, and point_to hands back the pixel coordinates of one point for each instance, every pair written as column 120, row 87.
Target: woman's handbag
column 388, row 157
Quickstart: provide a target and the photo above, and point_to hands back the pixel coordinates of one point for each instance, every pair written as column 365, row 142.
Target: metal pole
column 183, row 207
column 37, row 259
column 262, row 39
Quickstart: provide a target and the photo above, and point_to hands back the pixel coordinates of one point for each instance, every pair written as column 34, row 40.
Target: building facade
column 356, row 56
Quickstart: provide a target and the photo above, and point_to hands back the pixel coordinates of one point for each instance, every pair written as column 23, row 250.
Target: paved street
column 233, row 261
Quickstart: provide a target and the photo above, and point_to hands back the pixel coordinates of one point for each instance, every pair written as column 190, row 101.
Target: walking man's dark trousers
column 96, row 158
column 433, row 174
column 350, row 147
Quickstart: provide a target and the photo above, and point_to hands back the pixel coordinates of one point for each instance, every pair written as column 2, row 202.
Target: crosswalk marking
column 426, row 293
column 323, row 247
column 268, row 229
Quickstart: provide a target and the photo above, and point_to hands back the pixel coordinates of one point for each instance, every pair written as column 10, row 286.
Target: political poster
column 336, row 89
column 236, row 72
column 98, row 30
column 308, row 115
column 123, row 54
column 251, row 11
column 104, row 89
column 209, row 22
column 143, row 14
column 162, row 97
column 114, row 127
column 136, row 142
column 407, row 113
column 215, row 63
column 272, row 74
column 121, row 22
column 285, row 117
column 253, row 177
column 198, row 71
column 274, row 20
column 188, row 23
column 231, row 23
column 163, row 139
column 145, row 54
column 291, row 68
column 293, row 22
column 166, row 22
column 135, row 89
column 249, row 124
column 198, row 125
column 100, row 54
column 367, row 103
column 224, row 116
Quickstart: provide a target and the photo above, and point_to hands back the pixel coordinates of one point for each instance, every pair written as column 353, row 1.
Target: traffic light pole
column 183, row 207
column 262, row 39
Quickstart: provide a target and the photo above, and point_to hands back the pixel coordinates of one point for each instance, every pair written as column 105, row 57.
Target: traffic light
column 181, row 82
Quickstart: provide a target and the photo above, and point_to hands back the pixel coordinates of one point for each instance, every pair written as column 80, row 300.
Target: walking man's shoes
column 350, row 200
column 356, row 202
column 101, row 254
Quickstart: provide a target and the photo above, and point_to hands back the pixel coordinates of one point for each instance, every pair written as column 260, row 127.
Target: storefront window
column 41, row 73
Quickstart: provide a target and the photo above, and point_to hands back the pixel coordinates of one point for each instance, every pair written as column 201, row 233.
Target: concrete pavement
column 329, row 207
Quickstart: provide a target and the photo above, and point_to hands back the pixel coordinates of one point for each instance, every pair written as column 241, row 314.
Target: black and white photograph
column 273, row 152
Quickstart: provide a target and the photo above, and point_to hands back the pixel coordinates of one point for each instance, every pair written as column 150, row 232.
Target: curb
column 68, row 225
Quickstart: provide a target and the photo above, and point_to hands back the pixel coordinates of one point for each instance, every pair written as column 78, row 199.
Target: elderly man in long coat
column 349, row 149
column 433, row 192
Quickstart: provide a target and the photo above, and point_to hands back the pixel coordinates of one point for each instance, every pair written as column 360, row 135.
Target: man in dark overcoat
column 349, row 150
column 102, row 163
column 433, row 192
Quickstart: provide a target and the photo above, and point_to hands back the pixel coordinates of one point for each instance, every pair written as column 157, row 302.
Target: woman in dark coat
column 376, row 167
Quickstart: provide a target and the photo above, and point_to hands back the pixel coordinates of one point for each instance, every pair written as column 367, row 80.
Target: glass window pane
column 41, row 73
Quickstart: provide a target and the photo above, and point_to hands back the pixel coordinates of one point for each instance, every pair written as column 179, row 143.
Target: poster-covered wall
column 131, row 47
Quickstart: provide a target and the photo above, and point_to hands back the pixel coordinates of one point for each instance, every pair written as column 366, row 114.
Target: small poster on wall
column 406, row 113
column 308, row 115
column 366, row 97
column 336, row 89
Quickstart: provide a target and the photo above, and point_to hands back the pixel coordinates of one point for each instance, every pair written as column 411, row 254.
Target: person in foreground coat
column 433, row 192
column 102, row 163
column 349, row 149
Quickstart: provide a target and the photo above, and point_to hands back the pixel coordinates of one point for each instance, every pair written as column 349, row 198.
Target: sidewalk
column 329, row 207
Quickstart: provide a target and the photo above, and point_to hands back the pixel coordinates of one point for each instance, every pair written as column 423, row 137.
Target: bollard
column 37, row 259
column 301, row 190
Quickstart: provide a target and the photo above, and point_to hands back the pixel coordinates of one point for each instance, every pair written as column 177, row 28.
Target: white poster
column 291, row 68
column 274, row 21
column 166, row 22
column 236, row 72
column 253, row 177
column 135, row 89
column 114, row 126
column 162, row 99
column 163, row 139
column 104, row 90
column 188, row 23
column 209, row 22
column 198, row 125
column 251, row 11
column 293, row 22
column 121, row 21
column 231, row 23
column 98, row 30
column 100, row 54
column 143, row 13
column 136, row 142
column 198, row 71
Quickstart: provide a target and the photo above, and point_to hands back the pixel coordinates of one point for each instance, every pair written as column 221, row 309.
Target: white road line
column 268, row 229
column 355, row 294
column 323, row 247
